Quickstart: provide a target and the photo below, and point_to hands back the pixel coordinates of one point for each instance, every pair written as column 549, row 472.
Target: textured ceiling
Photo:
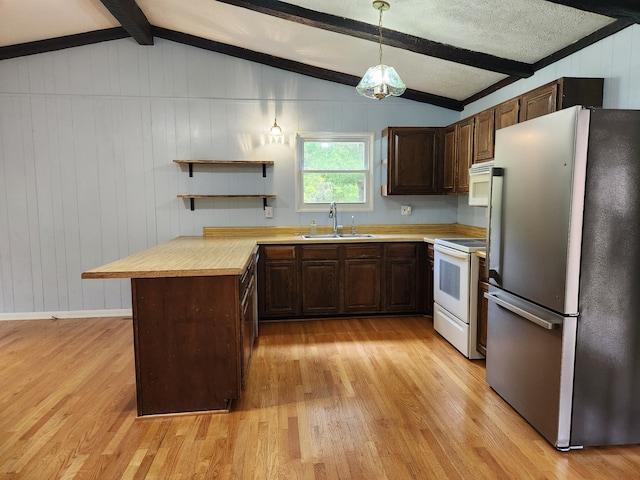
column 525, row 31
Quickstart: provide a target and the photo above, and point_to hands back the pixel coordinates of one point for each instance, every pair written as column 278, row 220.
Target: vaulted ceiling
column 448, row 53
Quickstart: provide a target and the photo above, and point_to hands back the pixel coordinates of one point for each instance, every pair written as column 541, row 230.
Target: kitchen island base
column 188, row 343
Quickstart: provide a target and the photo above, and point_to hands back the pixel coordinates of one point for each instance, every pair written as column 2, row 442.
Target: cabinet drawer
column 403, row 250
column 320, row 252
column 362, row 251
column 244, row 278
column 284, row 252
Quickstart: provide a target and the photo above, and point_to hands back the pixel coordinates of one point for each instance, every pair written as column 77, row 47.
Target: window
column 334, row 167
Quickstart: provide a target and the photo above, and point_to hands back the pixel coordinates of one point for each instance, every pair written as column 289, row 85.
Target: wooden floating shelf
column 192, row 197
column 264, row 163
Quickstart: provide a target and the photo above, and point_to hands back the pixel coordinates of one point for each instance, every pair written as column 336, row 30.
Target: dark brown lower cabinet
column 279, row 273
column 248, row 314
column 188, row 344
column 401, row 272
column 320, row 288
column 320, row 280
column 329, row 279
column 362, row 266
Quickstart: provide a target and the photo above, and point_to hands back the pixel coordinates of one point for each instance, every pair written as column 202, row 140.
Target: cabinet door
column 429, row 281
column 414, row 161
column 247, row 319
column 580, row 91
column 483, row 313
column 401, row 291
column 320, row 280
column 362, row 285
column 401, row 274
column 483, row 136
column 538, row 102
column 187, row 343
column 279, row 291
column 362, row 266
column 464, row 155
column 507, row 113
column 450, row 162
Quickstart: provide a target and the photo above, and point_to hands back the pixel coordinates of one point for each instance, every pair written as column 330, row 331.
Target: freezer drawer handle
column 523, row 313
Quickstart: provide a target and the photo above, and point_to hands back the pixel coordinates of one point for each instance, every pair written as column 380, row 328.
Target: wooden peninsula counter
column 194, row 321
column 195, row 309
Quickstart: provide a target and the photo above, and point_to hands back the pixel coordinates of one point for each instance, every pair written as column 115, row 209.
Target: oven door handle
column 451, row 252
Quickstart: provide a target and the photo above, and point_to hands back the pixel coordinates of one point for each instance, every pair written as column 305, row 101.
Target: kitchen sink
column 337, row 236
column 356, row 235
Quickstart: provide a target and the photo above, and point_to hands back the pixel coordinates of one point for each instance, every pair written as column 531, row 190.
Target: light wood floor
column 382, row 398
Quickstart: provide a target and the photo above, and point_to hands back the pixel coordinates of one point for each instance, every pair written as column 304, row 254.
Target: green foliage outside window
column 334, row 171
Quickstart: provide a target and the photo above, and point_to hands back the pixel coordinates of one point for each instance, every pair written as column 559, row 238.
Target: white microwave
column 480, row 184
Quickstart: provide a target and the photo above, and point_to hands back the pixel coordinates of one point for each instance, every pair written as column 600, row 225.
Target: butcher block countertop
column 227, row 250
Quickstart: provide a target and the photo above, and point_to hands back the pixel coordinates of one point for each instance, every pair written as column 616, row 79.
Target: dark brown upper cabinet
column 483, row 136
column 506, row 113
column 414, row 161
column 433, row 161
column 458, row 156
column 538, row 102
column 450, row 162
column 562, row 93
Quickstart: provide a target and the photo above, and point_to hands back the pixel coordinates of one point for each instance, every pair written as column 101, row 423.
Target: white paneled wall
column 87, row 142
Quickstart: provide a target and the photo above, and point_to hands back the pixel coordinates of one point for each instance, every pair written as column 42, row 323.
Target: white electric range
column 455, row 292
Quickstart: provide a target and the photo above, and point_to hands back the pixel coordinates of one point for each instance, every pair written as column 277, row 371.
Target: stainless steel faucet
column 333, row 213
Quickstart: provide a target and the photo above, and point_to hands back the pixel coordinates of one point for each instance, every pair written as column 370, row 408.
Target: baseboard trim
column 122, row 312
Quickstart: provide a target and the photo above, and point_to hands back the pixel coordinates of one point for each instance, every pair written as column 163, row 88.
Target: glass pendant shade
column 381, row 81
column 275, row 130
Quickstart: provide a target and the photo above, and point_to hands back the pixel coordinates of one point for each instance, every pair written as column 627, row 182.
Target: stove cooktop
column 468, row 245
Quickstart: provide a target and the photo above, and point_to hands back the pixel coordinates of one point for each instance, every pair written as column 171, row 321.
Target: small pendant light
column 275, row 130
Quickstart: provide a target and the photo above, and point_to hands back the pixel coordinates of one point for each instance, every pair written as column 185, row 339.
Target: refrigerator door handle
column 493, row 297
column 494, row 234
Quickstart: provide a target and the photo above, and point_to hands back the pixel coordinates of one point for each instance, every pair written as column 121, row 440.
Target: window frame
column 367, row 138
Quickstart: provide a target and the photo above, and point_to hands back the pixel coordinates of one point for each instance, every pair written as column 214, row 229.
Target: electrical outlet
column 268, row 212
column 405, row 210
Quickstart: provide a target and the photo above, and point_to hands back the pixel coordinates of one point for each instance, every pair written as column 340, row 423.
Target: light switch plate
column 405, row 210
column 268, row 212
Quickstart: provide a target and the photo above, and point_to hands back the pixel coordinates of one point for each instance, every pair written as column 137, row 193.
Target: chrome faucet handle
column 333, row 213
column 332, row 207
column 353, row 225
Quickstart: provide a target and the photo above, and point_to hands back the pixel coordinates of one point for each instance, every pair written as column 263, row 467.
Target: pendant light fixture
column 275, row 131
column 381, row 80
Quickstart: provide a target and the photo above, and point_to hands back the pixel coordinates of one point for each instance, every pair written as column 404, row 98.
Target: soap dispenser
column 313, row 229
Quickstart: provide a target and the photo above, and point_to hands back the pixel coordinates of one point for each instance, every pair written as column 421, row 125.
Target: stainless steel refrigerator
column 563, row 343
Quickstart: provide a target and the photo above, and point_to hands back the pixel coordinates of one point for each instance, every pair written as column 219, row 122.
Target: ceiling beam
column 295, row 67
column 628, row 10
column 392, row 38
column 131, row 18
column 60, row 43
